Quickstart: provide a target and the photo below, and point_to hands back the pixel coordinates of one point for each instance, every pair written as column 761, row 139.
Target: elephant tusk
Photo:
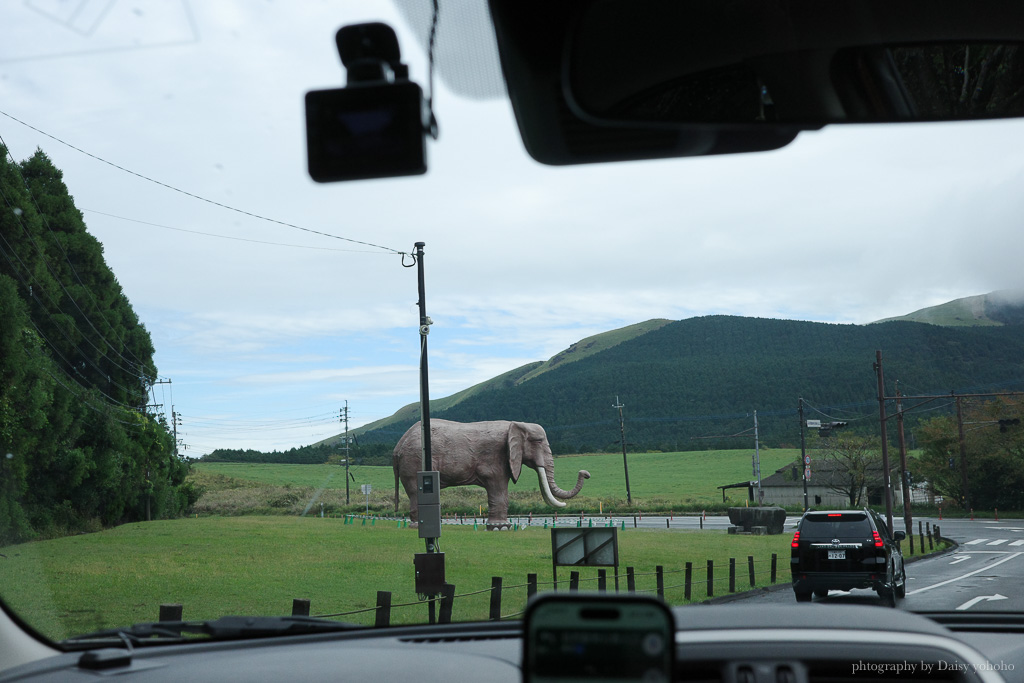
column 545, row 490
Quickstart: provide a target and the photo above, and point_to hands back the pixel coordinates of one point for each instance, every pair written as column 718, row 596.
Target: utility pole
column 622, row 433
column 963, row 452
column 429, row 565
column 908, row 524
column 885, row 442
column 803, row 453
column 757, row 463
column 344, row 418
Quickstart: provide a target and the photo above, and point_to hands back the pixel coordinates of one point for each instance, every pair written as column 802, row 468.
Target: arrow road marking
column 974, row 601
column 964, row 576
column 961, row 559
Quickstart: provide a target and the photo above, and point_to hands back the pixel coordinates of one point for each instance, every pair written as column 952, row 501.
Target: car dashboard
column 720, row 643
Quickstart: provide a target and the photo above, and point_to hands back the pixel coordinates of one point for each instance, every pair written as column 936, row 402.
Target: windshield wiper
column 224, row 628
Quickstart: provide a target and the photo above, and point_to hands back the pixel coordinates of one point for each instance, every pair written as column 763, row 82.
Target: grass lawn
column 658, row 481
column 215, row 566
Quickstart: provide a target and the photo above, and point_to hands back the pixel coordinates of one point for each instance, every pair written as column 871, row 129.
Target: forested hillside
column 704, row 377
column 77, row 448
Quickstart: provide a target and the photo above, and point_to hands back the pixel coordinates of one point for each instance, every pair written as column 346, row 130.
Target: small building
column 825, row 488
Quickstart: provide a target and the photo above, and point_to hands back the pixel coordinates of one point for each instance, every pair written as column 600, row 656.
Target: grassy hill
column 706, row 376
column 582, row 349
column 995, row 309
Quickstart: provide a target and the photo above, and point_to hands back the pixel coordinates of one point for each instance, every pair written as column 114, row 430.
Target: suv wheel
column 803, row 596
column 901, row 587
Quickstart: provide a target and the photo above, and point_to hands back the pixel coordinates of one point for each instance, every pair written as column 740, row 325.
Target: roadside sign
column 807, row 473
column 807, row 460
column 814, row 424
column 366, row 488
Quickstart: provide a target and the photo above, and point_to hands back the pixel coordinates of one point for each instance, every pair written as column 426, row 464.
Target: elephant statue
column 485, row 454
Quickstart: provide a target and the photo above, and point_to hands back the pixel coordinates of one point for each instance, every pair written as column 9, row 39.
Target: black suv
column 844, row 549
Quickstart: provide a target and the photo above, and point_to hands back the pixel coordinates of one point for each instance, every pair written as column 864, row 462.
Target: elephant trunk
column 553, row 495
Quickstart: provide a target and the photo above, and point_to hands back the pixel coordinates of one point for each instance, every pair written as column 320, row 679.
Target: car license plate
column 837, row 554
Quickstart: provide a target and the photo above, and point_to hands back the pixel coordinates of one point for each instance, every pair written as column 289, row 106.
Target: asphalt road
column 983, row 574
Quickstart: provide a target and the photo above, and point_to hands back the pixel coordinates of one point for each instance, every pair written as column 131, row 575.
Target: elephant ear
column 517, row 439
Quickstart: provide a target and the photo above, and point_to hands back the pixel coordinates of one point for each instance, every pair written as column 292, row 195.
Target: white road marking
column 976, row 541
column 998, row 542
column 960, row 559
column 974, row 601
column 964, row 576
column 1020, row 542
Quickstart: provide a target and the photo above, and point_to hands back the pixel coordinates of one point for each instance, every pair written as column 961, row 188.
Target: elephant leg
column 410, row 492
column 497, row 507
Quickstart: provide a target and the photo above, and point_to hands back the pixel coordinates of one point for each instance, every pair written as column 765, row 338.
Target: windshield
column 211, row 365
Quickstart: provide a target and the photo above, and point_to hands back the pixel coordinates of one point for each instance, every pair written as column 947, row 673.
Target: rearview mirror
column 665, row 63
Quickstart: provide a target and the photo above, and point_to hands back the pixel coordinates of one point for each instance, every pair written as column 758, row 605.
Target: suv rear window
column 829, row 526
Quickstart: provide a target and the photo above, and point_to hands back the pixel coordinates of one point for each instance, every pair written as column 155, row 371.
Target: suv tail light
column 878, row 539
column 796, row 540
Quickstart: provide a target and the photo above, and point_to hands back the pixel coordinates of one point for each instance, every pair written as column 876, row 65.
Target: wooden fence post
column 300, row 607
column 775, row 565
column 447, row 598
column 688, row 581
column 750, row 566
column 574, row 581
column 495, row 598
column 630, row 580
column 531, row 585
column 711, row 578
column 660, row 576
column 170, row 612
column 602, row 580
column 732, row 574
column 383, row 616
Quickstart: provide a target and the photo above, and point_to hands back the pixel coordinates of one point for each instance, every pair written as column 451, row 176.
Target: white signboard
column 814, row 424
column 366, row 489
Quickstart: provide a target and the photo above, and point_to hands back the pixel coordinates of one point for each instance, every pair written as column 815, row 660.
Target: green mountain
column 692, row 383
column 584, row 348
column 1005, row 307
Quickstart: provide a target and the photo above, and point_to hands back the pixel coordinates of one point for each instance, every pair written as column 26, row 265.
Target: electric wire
column 192, row 194
column 228, row 237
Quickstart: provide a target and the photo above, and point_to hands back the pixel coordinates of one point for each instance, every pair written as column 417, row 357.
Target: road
column 984, row 574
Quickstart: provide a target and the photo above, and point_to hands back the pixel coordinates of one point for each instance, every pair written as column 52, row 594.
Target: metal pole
column 885, row 444
column 625, row 466
column 908, row 523
column 757, row 463
column 803, row 453
column 963, row 453
column 424, row 384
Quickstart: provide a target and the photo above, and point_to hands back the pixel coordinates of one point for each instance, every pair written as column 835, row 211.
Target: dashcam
column 373, row 127
column 366, row 131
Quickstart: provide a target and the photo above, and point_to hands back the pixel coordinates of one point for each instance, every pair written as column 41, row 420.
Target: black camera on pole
column 375, row 126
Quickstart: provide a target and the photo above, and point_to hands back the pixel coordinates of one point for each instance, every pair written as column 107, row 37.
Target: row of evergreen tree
column 78, row 449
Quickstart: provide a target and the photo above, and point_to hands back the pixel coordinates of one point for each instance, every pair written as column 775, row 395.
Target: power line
column 226, row 237
column 195, row 196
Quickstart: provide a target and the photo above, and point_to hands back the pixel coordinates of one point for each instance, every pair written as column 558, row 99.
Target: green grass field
column 658, row 481
column 215, row 566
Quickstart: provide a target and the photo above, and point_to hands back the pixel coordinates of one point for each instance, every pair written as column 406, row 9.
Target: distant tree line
column 370, row 454
column 78, row 449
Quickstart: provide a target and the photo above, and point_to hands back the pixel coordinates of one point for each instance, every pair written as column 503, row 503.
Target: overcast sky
column 264, row 340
